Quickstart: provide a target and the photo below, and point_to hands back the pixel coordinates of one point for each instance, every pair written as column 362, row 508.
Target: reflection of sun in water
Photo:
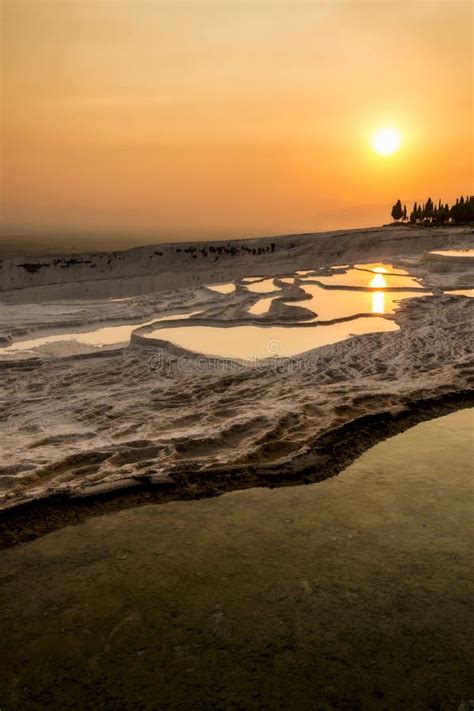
column 378, row 297
column 378, row 302
column 378, row 282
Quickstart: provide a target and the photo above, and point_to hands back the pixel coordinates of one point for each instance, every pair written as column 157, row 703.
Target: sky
column 174, row 120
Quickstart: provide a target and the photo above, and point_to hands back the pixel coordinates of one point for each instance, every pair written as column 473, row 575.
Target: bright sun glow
column 386, row 141
column 377, row 282
column 378, row 297
column 378, row 302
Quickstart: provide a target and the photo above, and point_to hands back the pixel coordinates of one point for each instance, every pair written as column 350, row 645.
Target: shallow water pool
column 256, row 342
column 381, row 276
column 334, row 304
column 261, row 306
column 226, row 288
column 97, row 338
column 454, row 252
column 371, row 295
column 460, row 292
column 263, row 287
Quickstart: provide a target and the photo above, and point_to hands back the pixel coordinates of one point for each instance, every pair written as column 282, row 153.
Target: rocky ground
column 134, row 417
column 354, row 594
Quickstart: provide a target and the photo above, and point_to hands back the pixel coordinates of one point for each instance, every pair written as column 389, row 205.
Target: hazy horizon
column 17, row 240
column 355, row 217
column 205, row 120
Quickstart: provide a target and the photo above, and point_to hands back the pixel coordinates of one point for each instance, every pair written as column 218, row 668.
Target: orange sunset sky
column 202, row 119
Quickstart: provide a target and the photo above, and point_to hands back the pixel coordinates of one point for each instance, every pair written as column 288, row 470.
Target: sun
column 386, row 141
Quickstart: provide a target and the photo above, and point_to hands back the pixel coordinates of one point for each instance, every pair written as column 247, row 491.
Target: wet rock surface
column 353, row 593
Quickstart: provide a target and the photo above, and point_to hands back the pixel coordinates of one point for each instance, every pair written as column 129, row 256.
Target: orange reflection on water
column 378, row 281
column 378, row 302
column 378, row 297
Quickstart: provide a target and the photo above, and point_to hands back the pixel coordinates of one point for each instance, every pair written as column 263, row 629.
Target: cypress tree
column 428, row 213
column 428, row 210
column 454, row 212
column 397, row 212
column 470, row 209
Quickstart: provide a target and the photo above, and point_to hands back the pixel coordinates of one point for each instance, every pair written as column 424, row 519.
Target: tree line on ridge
column 429, row 213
